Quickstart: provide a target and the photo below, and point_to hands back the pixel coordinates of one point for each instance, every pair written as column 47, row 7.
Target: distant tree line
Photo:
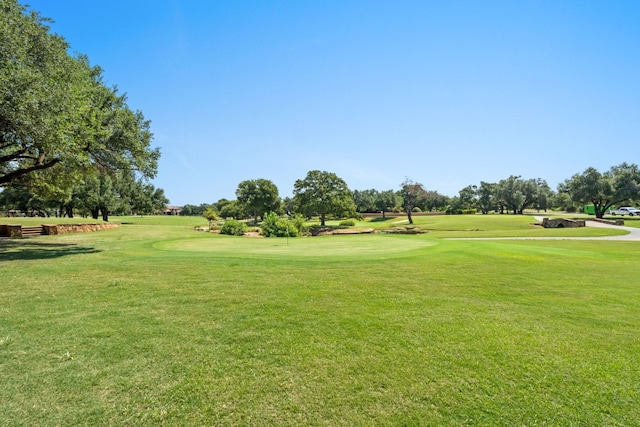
column 326, row 195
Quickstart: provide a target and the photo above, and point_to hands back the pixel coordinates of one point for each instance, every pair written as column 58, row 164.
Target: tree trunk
column 105, row 214
column 322, row 215
column 94, row 213
column 598, row 211
column 409, row 216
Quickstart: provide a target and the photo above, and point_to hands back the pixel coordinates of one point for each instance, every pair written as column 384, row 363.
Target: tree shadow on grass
column 385, row 219
column 13, row 250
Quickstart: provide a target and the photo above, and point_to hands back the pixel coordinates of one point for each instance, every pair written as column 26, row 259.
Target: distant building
column 173, row 210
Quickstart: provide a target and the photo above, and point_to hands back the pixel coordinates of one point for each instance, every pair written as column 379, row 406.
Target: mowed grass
column 156, row 324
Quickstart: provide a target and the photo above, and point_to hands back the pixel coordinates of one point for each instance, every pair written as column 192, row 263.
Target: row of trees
column 319, row 193
column 66, row 138
column 618, row 186
column 95, row 196
column 324, row 194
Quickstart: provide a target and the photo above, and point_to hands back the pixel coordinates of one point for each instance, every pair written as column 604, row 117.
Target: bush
column 300, row 223
column 274, row 226
column 211, row 215
column 347, row 223
column 233, row 227
column 416, row 209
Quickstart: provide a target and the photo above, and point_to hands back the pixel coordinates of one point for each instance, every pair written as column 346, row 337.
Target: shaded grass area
column 12, row 250
column 165, row 220
column 154, row 324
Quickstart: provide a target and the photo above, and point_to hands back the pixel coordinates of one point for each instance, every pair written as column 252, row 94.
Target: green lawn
column 153, row 323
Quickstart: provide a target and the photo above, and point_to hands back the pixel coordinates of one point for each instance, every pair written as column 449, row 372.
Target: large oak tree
column 618, row 185
column 56, row 114
column 258, row 196
column 323, row 193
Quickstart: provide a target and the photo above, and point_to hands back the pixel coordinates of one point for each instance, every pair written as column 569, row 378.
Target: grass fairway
column 155, row 324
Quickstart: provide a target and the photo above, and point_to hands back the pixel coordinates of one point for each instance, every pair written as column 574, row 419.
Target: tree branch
column 19, row 172
column 13, row 156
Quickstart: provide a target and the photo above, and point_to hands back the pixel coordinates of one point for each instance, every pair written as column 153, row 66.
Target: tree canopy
column 411, row 193
column 258, row 196
column 618, row 185
column 323, row 193
column 56, row 113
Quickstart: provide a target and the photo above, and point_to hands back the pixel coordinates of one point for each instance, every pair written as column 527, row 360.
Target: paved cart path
column 634, row 234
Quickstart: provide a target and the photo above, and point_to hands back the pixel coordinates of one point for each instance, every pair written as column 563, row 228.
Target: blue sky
column 447, row 93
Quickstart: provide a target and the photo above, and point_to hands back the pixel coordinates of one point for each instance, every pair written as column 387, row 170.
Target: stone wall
column 77, row 228
column 608, row 221
column 562, row 223
column 9, row 230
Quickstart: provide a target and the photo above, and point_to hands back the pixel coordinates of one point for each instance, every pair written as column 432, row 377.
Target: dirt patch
column 328, row 231
column 353, row 231
column 405, row 230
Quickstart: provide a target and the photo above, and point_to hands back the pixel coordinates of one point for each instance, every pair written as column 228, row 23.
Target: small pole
column 288, row 213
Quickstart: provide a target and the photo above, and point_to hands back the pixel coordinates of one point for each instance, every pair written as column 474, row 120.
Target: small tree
column 411, row 193
column 211, row 215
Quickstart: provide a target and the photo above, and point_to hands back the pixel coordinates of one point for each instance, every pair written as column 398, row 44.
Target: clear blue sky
column 447, row 93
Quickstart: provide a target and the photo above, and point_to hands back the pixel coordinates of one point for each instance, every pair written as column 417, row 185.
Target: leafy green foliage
column 300, row 223
column 386, row 201
column 233, row 227
column 324, row 193
column 411, row 193
column 211, row 215
column 230, row 209
column 618, row 185
column 258, row 196
column 275, row 226
column 58, row 120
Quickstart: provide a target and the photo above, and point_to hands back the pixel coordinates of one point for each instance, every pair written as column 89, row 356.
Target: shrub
column 233, row 227
column 211, row 215
column 300, row 223
column 274, row 226
column 347, row 223
column 416, row 209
